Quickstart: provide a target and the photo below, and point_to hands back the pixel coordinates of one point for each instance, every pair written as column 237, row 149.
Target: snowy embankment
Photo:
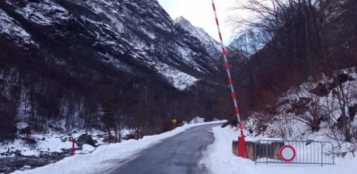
column 105, row 157
column 47, row 144
column 220, row 159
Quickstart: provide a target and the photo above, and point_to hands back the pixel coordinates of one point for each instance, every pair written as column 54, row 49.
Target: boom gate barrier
column 242, row 152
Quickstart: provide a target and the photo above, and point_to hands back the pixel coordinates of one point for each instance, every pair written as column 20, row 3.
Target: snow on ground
column 197, row 120
column 105, row 156
column 222, row 160
column 45, row 144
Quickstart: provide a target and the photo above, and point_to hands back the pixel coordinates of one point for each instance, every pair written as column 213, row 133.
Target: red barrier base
column 242, row 148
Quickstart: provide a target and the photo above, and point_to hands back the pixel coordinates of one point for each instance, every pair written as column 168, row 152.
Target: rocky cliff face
column 212, row 46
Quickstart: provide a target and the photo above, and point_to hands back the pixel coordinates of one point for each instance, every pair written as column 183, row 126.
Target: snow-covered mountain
column 212, row 46
column 141, row 30
column 75, row 63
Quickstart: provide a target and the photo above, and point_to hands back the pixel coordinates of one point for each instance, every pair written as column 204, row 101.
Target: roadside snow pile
column 105, row 156
column 220, row 159
column 87, row 149
column 197, row 120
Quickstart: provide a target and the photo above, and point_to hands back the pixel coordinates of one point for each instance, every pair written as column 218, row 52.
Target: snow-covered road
column 178, row 154
column 217, row 158
column 107, row 157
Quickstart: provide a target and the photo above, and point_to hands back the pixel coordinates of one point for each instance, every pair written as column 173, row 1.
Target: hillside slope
column 100, row 64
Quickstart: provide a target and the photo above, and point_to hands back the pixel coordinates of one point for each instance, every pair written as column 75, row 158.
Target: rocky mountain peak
column 212, row 46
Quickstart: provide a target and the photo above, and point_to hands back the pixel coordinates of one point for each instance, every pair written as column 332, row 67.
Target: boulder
column 290, row 110
column 25, row 131
column 315, row 125
column 301, row 110
column 303, row 101
column 343, row 77
column 340, row 79
column 85, row 139
column 64, row 139
column 30, row 141
column 300, row 107
column 322, row 90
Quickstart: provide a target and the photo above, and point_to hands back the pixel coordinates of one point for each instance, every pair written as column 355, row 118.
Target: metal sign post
column 174, row 121
column 73, row 147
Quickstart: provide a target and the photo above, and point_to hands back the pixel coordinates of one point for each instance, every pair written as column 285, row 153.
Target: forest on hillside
column 85, row 95
column 301, row 48
column 290, row 42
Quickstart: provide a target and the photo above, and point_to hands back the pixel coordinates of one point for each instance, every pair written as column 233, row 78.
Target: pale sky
column 200, row 14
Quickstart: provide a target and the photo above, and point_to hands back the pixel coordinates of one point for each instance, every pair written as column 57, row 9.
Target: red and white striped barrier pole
column 231, row 85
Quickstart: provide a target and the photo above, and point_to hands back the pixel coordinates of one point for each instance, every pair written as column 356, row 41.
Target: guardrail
column 294, row 152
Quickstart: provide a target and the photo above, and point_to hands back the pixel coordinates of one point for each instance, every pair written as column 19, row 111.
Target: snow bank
column 197, row 120
column 220, row 159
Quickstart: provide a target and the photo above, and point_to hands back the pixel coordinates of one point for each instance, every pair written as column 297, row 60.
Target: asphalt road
column 175, row 155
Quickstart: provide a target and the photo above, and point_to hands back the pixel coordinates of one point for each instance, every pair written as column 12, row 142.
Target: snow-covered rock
column 211, row 45
column 13, row 30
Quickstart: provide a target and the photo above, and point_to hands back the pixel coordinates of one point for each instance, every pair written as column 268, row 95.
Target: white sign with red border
column 287, row 153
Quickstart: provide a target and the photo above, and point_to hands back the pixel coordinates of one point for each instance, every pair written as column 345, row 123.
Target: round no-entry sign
column 287, row 153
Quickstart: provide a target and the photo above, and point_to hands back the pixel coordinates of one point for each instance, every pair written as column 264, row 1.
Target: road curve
column 179, row 154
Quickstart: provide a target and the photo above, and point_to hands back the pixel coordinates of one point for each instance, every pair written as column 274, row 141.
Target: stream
column 11, row 164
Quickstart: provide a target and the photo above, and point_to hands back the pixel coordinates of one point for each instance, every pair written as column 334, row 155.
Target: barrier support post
column 73, row 148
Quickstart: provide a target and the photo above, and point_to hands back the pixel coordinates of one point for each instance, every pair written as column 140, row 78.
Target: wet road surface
column 179, row 154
